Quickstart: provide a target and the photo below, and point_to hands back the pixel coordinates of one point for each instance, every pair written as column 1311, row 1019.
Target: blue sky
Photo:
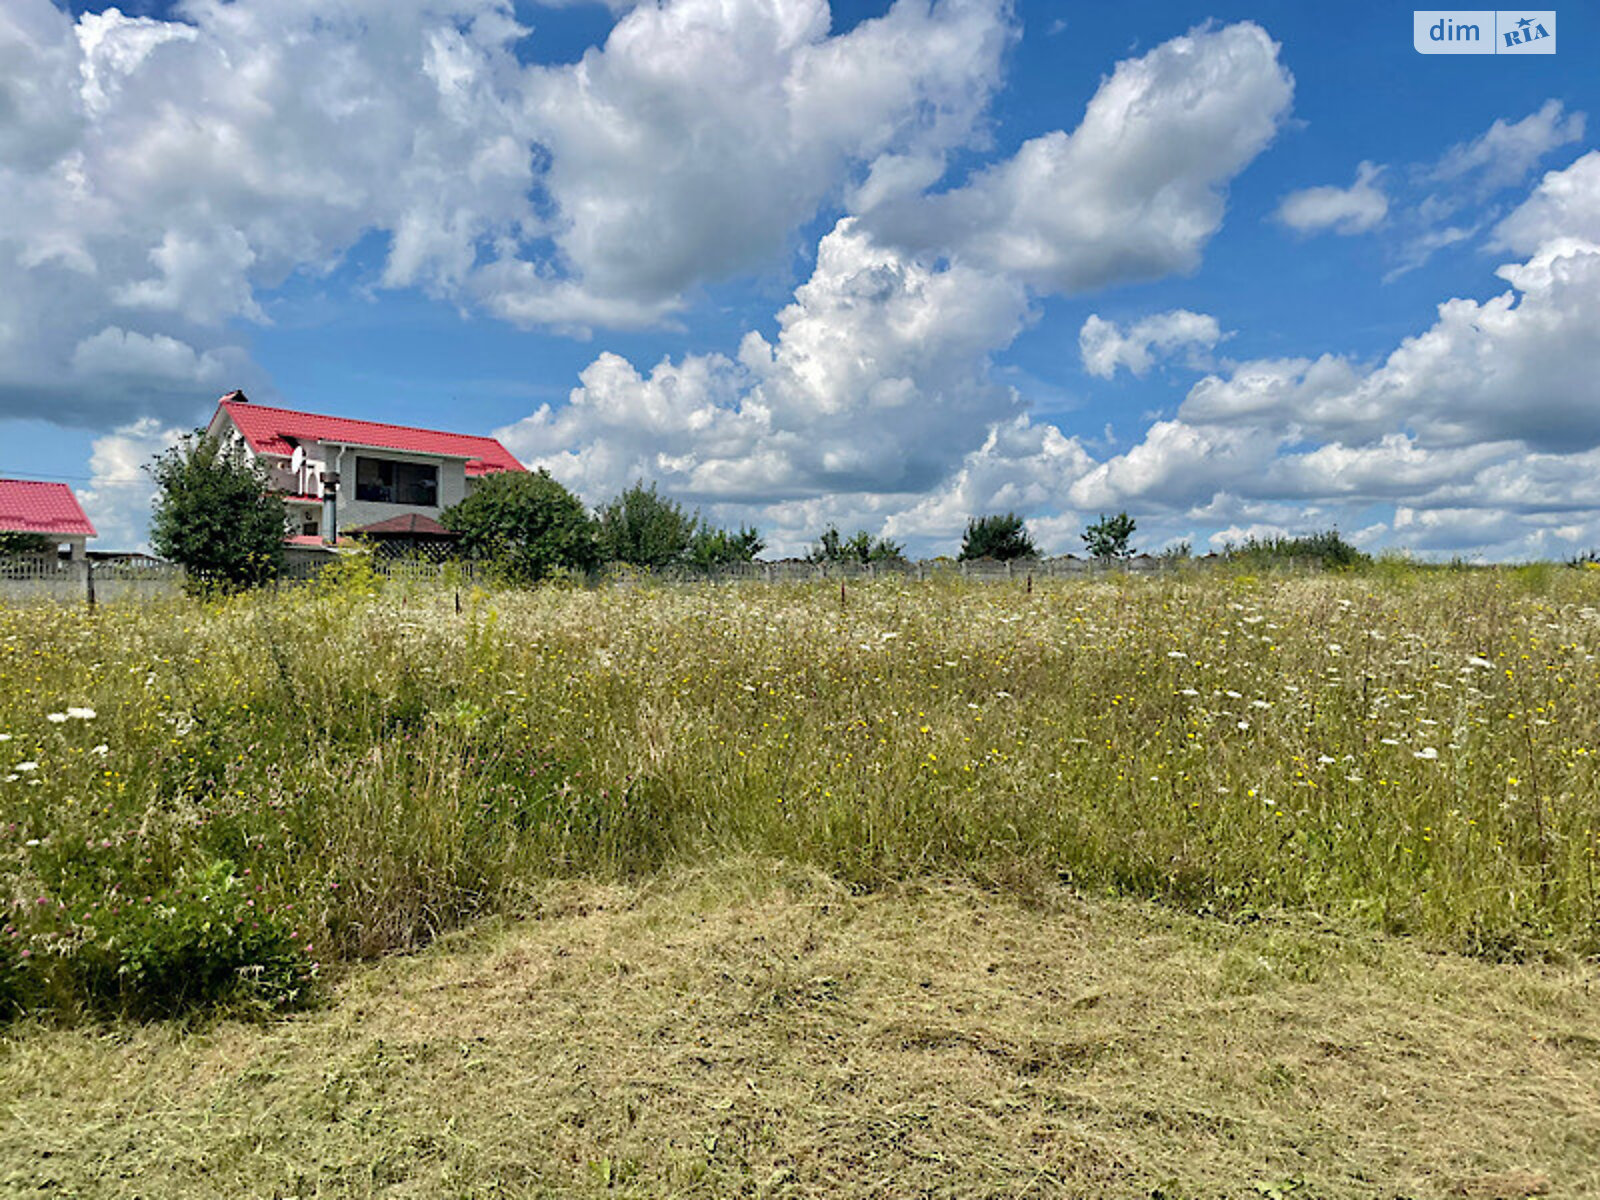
column 889, row 266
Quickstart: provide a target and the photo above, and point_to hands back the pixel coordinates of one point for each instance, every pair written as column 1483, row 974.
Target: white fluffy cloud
column 1354, row 209
column 1105, row 347
column 160, row 178
column 877, row 383
column 1483, row 430
column 704, row 131
column 1504, row 153
column 1135, row 192
column 876, row 400
column 120, row 490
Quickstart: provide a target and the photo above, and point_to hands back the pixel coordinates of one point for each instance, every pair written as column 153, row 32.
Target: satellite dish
column 297, row 459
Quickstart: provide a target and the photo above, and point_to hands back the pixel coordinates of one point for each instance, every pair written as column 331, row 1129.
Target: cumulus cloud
column 1483, row 430
column 120, row 490
column 878, row 382
column 876, row 398
column 1351, row 210
column 703, row 132
column 160, row 177
column 1135, row 192
column 1105, row 347
column 1565, row 204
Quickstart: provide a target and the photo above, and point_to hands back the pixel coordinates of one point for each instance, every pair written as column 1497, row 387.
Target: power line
column 10, row 474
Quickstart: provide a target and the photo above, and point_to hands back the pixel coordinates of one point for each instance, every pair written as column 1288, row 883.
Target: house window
column 392, row 482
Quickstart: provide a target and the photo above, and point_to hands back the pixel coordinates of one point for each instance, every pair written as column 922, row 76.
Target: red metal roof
column 27, row 506
column 268, row 431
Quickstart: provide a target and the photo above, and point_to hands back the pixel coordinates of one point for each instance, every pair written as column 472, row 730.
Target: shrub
column 861, row 547
column 1328, row 548
column 527, row 524
column 1002, row 536
column 712, row 547
column 17, row 544
column 644, row 529
column 205, row 940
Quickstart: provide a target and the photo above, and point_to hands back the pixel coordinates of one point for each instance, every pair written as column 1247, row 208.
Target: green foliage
column 351, row 576
column 217, row 514
column 644, row 529
column 712, row 547
column 14, row 545
column 1002, row 536
column 208, row 938
column 1177, row 552
column 1328, row 548
column 527, row 523
column 861, row 547
column 1107, row 538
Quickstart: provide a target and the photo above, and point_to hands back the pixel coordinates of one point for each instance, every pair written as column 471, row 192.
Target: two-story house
column 338, row 473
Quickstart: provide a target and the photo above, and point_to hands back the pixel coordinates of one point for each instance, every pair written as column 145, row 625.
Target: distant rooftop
column 271, row 430
column 28, row 506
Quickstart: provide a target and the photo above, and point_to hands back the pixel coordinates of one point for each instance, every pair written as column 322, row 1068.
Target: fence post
column 88, row 574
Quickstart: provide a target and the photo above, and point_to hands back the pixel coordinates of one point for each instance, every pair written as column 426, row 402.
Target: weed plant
column 205, row 801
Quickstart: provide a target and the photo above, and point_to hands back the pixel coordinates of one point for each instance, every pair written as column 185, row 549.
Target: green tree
column 216, row 513
column 1003, row 536
column 644, row 528
column 14, row 544
column 527, row 523
column 859, row 547
column 1107, row 538
column 713, row 547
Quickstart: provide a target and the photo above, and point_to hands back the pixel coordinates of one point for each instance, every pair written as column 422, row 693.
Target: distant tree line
column 216, row 513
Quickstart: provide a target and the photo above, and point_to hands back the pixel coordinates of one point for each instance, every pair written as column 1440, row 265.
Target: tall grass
column 324, row 776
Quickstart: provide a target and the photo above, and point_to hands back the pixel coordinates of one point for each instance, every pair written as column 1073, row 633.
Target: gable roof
column 269, row 430
column 27, row 506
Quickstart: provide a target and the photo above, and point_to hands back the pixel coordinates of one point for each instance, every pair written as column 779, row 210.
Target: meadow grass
column 279, row 780
column 753, row 1028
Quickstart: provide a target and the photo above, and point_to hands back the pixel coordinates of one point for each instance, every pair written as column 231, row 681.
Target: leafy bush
column 644, row 529
column 712, row 547
column 217, row 514
column 861, row 547
column 16, row 544
column 1328, row 549
column 526, row 523
column 207, row 939
column 349, row 575
column 1002, row 536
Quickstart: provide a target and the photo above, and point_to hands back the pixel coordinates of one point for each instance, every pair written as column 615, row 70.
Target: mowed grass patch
column 199, row 803
column 761, row 1029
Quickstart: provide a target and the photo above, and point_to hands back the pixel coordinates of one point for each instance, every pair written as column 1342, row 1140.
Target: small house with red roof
column 339, row 474
column 47, row 509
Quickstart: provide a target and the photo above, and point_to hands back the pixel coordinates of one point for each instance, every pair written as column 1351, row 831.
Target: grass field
column 1365, row 807
column 1414, row 752
column 754, row 1029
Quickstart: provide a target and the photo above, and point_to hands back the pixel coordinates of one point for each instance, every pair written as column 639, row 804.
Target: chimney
column 330, row 508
